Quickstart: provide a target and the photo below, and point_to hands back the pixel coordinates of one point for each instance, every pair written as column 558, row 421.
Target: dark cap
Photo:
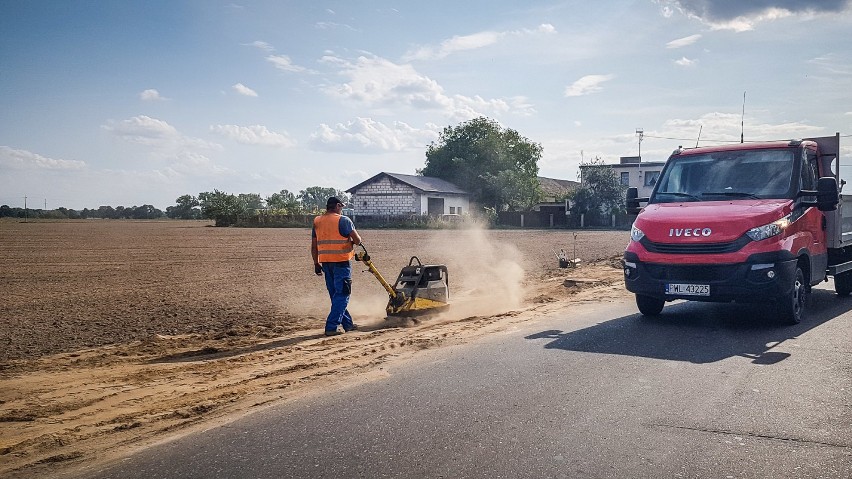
column 332, row 202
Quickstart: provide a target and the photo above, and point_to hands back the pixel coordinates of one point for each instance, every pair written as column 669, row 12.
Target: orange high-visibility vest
column 330, row 245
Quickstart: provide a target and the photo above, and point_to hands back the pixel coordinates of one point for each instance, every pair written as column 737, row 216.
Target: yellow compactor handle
column 364, row 257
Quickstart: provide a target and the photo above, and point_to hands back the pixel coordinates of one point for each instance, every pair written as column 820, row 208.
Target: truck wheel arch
column 804, row 261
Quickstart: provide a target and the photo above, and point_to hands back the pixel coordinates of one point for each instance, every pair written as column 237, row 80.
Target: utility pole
column 25, row 209
column 742, row 122
column 641, row 134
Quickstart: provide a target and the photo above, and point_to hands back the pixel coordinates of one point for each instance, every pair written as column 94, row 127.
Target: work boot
column 353, row 328
column 333, row 333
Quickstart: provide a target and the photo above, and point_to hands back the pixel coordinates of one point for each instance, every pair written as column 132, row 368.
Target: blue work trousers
column 338, row 281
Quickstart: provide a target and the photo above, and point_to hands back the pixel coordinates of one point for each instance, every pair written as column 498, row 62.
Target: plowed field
column 116, row 334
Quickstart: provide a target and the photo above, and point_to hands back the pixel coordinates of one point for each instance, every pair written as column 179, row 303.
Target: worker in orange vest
column 332, row 246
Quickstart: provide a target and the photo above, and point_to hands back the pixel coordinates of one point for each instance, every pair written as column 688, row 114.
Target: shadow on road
column 699, row 332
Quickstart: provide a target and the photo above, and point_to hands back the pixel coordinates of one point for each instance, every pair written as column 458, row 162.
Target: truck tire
column 843, row 283
column 649, row 306
column 791, row 308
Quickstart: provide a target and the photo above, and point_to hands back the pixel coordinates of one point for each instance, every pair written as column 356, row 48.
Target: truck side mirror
column 827, row 193
column 632, row 202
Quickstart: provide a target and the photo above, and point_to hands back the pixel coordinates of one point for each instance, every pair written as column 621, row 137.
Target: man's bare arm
column 355, row 237
column 314, row 250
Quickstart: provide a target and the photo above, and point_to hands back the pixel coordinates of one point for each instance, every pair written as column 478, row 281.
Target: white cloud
column 686, row 62
column 587, row 85
column 748, row 23
column 682, row 42
column 380, row 83
column 521, row 105
column 253, row 135
column 151, row 95
column 334, row 26
column 27, row 160
column 726, row 127
column 187, row 163
column 143, row 130
column 833, row 65
column 283, row 62
column 364, row 135
column 244, row 90
column 453, row 45
column 741, row 16
column 261, row 45
column 149, row 131
column 473, row 41
column 546, row 28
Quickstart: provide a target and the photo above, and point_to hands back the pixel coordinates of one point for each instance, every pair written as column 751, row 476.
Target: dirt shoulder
column 60, row 411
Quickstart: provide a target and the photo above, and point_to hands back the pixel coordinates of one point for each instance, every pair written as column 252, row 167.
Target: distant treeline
column 144, row 212
column 225, row 208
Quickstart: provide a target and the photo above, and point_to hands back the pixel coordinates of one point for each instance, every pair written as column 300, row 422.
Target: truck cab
column 755, row 222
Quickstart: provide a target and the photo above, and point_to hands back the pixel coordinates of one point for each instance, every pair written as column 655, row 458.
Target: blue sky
column 131, row 103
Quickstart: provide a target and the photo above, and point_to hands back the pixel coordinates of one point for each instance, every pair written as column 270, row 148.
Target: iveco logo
column 689, row 232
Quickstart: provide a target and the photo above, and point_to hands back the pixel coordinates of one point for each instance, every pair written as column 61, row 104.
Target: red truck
column 750, row 222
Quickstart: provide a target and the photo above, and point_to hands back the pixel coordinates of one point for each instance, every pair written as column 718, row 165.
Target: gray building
column 394, row 194
column 633, row 172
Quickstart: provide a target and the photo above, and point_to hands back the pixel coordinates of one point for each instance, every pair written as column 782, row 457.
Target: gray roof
column 555, row 187
column 426, row 184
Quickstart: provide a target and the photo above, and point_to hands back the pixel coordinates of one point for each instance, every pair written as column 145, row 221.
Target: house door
column 436, row 206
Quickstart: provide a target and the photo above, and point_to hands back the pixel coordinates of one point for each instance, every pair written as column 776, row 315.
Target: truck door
column 813, row 221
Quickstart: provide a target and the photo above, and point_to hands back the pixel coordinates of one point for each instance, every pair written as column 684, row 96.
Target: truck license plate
column 688, row 289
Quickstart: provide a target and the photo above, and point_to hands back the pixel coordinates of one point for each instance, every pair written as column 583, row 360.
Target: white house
column 394, row 194
column 633, row 172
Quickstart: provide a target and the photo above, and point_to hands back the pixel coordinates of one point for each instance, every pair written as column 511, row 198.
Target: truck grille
column 695, row 248
column 704, row 273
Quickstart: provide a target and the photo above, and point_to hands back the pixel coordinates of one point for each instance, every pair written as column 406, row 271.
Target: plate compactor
column 419, row 290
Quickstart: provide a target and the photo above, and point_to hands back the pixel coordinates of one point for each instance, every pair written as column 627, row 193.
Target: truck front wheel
column 791, row 307
column 649, row 306
column 843, row 283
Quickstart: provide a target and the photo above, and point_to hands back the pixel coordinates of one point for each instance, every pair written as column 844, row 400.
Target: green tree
column 223, row 207
column 144, row 212
column 186, row 208
column 251, row 201
column 284, row 201
column 600, row 192
column 313, row 198
column 515, row 190
column 484, row 159
column 105, row 212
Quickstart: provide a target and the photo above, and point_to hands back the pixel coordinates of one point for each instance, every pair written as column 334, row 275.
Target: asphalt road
column 705, row 391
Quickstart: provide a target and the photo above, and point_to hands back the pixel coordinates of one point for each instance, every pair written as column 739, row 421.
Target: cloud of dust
column 485, row 276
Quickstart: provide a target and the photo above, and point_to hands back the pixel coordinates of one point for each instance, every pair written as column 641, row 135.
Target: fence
column 518, row 219
column 546, row 219
column 266, row 220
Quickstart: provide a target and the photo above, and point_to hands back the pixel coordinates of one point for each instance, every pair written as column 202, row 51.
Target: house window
column 458, row 210
column 452, row 210
column 365, row 204
column 651, row 178
column 625, row 178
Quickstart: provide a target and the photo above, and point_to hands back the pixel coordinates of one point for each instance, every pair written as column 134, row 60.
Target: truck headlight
column 770, row 230
column 636, row 234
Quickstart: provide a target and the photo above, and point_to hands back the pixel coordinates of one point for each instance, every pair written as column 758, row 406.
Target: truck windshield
column 726, row 175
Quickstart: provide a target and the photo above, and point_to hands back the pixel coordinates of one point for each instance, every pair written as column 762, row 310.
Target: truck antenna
column 742, row 121
column 699, row 135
